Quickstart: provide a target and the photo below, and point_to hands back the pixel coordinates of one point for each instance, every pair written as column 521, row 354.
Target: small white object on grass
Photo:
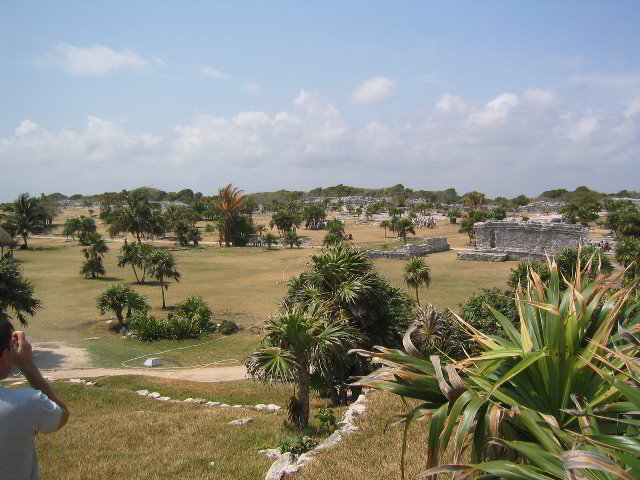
column 152, row 362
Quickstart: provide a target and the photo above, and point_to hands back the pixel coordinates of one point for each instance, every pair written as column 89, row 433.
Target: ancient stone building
column 511, row 240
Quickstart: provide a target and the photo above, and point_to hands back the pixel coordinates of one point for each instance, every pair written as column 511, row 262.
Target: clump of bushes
column 326, row 418
column 296, row 444
column 148, row 328
column 228, row 327
column 190, row 320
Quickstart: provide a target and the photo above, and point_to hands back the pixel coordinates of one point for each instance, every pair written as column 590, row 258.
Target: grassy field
column 114, row 433
column 242, row 284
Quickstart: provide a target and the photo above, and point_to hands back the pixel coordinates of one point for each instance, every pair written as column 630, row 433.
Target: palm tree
column 270, row 239
column 93, row 253
column 291, row 238
column 130, row 255
column 25, row 218
column 138, row 216
column 162, row 266
column 118, row 297
column 230, row 202
column 417, row 273
column 385, row 224
column 295, row 339
column 16, row 292
column 260, row 229
column 344, row 279
column 403, row 227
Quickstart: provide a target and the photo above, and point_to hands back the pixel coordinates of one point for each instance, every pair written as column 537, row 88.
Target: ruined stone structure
column 509, row 240
column 424, row 246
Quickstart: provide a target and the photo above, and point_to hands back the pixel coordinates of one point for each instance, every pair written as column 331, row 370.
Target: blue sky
column 501, row 96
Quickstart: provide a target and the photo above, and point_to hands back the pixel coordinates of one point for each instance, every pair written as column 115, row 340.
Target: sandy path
column 57, row 360
column 211, row 374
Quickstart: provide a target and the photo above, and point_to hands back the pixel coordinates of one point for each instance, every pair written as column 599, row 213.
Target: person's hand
column 22, row 351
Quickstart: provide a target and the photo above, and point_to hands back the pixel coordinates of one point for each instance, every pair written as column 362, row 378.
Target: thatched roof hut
column 6, row 240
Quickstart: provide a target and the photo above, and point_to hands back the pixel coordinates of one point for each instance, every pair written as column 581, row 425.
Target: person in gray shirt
column 24, row 412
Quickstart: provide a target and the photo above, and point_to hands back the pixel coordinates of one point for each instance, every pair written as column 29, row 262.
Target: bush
column 475, row 311
column 520, row 274
column 148, row 328
column 326, row 418
column 296, row 444
column 566, row 260
column 227, row 327
column 436, row 332
column 195, row 308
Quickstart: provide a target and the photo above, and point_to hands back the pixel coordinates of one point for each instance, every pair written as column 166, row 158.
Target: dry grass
column 370, row 453
column 114, row 433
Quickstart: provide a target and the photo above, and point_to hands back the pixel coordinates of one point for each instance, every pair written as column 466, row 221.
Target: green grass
column 243, row 284
column 114, row 433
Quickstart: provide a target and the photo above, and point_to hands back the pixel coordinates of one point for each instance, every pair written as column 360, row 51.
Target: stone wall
column 533, row 237
column 425, row 246
column 498, row 240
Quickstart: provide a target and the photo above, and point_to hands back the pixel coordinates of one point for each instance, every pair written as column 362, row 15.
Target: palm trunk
column 385, row 233
column 303, row 393
column 417, row 298
column 162, row 288
column 119, row 316
column 135, row 273
column 24, row 237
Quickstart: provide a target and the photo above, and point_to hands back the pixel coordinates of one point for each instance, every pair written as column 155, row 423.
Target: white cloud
column 613, row 80
column 93, row 60
column 212, row 72
column 495, row 112
column 451, row 103
column 634, row 108
column 251, row 87
column 309, row 143
column 373, row 90
column 540, row 97
column 25, row 127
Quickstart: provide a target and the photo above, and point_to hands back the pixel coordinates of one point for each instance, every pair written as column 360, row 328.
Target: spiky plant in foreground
column 556, row 399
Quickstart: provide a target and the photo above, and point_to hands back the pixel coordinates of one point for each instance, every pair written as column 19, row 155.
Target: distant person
column 24, row 411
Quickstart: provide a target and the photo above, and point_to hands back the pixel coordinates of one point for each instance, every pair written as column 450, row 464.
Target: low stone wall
column 482, row 256
column 427, row 245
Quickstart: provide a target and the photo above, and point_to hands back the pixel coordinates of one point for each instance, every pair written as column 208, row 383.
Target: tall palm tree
column 295, row 339
column 162, row 266
column 230, row 202
column 403, row 227
column 130, row 255
column 25, row 217
column 138, row 216
column 385, row 224
column 93, row 253
column 117, row 298
column 16, row 292
column 344, row 279
column 417, row 273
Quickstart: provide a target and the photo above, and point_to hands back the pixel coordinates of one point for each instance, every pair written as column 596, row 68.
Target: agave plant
column 551, row 400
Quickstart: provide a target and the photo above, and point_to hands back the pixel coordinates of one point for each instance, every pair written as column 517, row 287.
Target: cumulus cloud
column 451, row 103
column 212, row 72
column 251, row 87
column 93, row 60
column 503, row 146
column 25, row 127
column 373, row 90
column 494, row 112
column 610, row 80
column 540, row 97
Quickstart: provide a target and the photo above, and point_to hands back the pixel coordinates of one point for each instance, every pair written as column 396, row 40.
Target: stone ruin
column 424, row 246
column 500, row 240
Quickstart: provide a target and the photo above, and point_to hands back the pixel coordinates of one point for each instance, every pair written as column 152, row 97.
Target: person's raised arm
column 23, row 359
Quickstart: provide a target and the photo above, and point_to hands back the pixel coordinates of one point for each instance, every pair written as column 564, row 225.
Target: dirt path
column 57, row 360
column 211, row 374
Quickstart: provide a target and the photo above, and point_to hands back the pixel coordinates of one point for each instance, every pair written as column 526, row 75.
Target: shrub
column 227, row 327
column 566, row 260
column 476, row 312
column 436, row 331
column 195, row 308
column 296, row 444
column 326, row 418
column 148, row 328
column 520, row 274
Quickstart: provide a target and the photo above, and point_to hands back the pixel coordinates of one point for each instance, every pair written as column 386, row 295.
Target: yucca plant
column 522, row 406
